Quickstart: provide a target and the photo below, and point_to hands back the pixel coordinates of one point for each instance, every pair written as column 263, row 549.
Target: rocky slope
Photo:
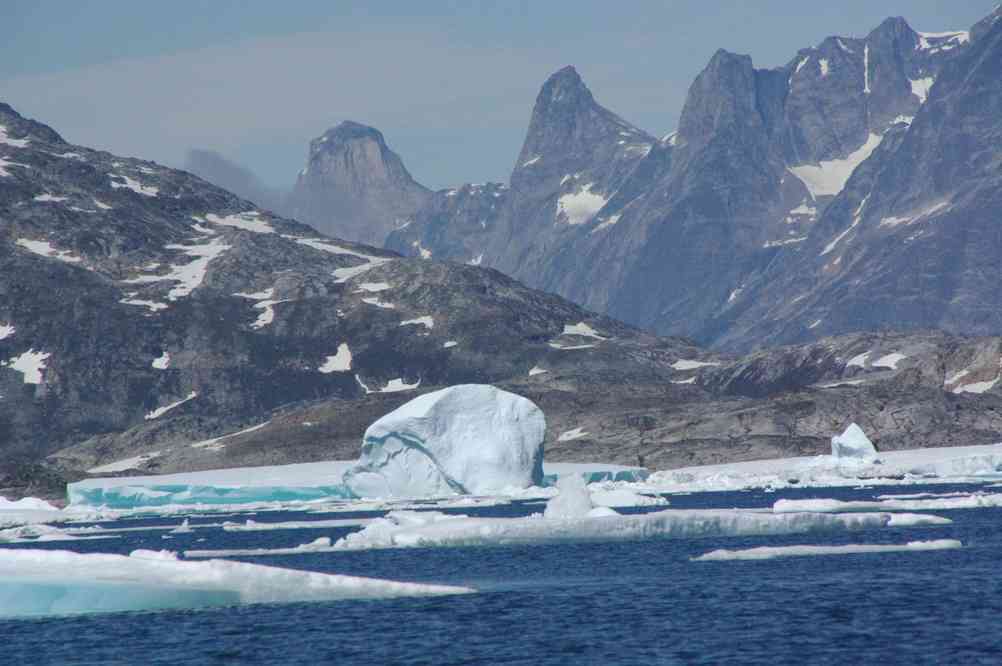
column 354, row 186
column 697, row 234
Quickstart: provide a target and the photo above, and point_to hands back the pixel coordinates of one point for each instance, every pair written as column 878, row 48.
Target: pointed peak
column 894, row 25
column 564, row 87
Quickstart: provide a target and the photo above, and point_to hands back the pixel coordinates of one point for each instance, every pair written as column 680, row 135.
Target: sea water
column 629, row 602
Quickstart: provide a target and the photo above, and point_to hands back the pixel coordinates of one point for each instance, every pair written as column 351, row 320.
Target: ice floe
column 771, row 552
column 45, row 582
column 402, row 529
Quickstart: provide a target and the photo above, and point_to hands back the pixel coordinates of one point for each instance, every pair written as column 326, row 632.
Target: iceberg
column 772, row 552
column 46, row 582
column 466, row 439
column 593, row 472
column 972, row 501
column 572, row 501
column 238, row 485
column 853, row 443
column 409, row 529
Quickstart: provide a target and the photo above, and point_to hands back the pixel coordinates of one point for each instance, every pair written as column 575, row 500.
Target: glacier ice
column 45, row 582
column 465, row 439
column 572, row 501
column 402, row 529
column 853, row 443
column 771, row 552
column 302, row 482
column 961, row 464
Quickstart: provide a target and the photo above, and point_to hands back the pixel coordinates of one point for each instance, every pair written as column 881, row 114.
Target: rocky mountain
column 913, row 239
column 216, row 169
column 687, row 235
column 354, row 186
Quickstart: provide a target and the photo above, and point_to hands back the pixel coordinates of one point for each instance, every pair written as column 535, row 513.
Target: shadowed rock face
column 705, row 232
column 216, row 169
column 354, row 186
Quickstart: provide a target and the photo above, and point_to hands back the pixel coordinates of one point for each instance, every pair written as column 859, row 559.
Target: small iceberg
column 853, row 444
column 47, row 582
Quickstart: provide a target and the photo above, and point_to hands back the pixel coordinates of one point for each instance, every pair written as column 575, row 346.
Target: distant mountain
column 698, row 233
column 354, row 186
column 216, row 169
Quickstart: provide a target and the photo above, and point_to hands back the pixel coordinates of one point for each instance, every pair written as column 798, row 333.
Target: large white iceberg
column 44, row 582
column 853, row 443
column 466, row 439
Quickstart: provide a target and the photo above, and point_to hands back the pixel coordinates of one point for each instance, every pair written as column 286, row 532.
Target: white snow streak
column 160, row 411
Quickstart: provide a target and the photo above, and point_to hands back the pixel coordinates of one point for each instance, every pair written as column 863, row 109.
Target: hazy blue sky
column 451, row 85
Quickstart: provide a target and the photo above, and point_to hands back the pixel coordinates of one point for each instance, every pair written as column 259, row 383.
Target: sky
column 450, row 84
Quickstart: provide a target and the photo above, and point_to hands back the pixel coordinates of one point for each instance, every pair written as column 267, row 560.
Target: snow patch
column 215, row 444
column 571, row 435
column 248, row 221
column 685, row 364
column 578, row 207
column 49, row 198
column 425, row 321
column 339, row 362
column 536, row 370
column 6, row 140
column 30, row 364
column 124, row 464
column 889, row 361
column 449, row 344
column 134, row 185
column 160, row 411
column 6, row 330
column 828, row 177
column 44, row 249
column 162, row 362
column 153, row 306
column 920, row 88
column 823, row 67
column 582, row 329
column 392, row 386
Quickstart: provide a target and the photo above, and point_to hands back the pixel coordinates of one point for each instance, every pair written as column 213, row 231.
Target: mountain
column 913, row 240
column 354, row 186
column 216, row 169
column 687, row 235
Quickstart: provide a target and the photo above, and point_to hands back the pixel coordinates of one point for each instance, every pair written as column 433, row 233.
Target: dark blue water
column 639, row 602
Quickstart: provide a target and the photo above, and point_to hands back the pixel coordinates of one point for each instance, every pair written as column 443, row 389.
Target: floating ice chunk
column 466, row 439
column 771, row 552
column 453, row 530
column 44, row 582
column 853, row 443
column 971, row 501
column 254, row 526
column 339, row 362
column 593, row 472
column 240, row 485
column 183, row 528
column 572, row 501
column 248, row 221
column 318, row 545
column 621, row 497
